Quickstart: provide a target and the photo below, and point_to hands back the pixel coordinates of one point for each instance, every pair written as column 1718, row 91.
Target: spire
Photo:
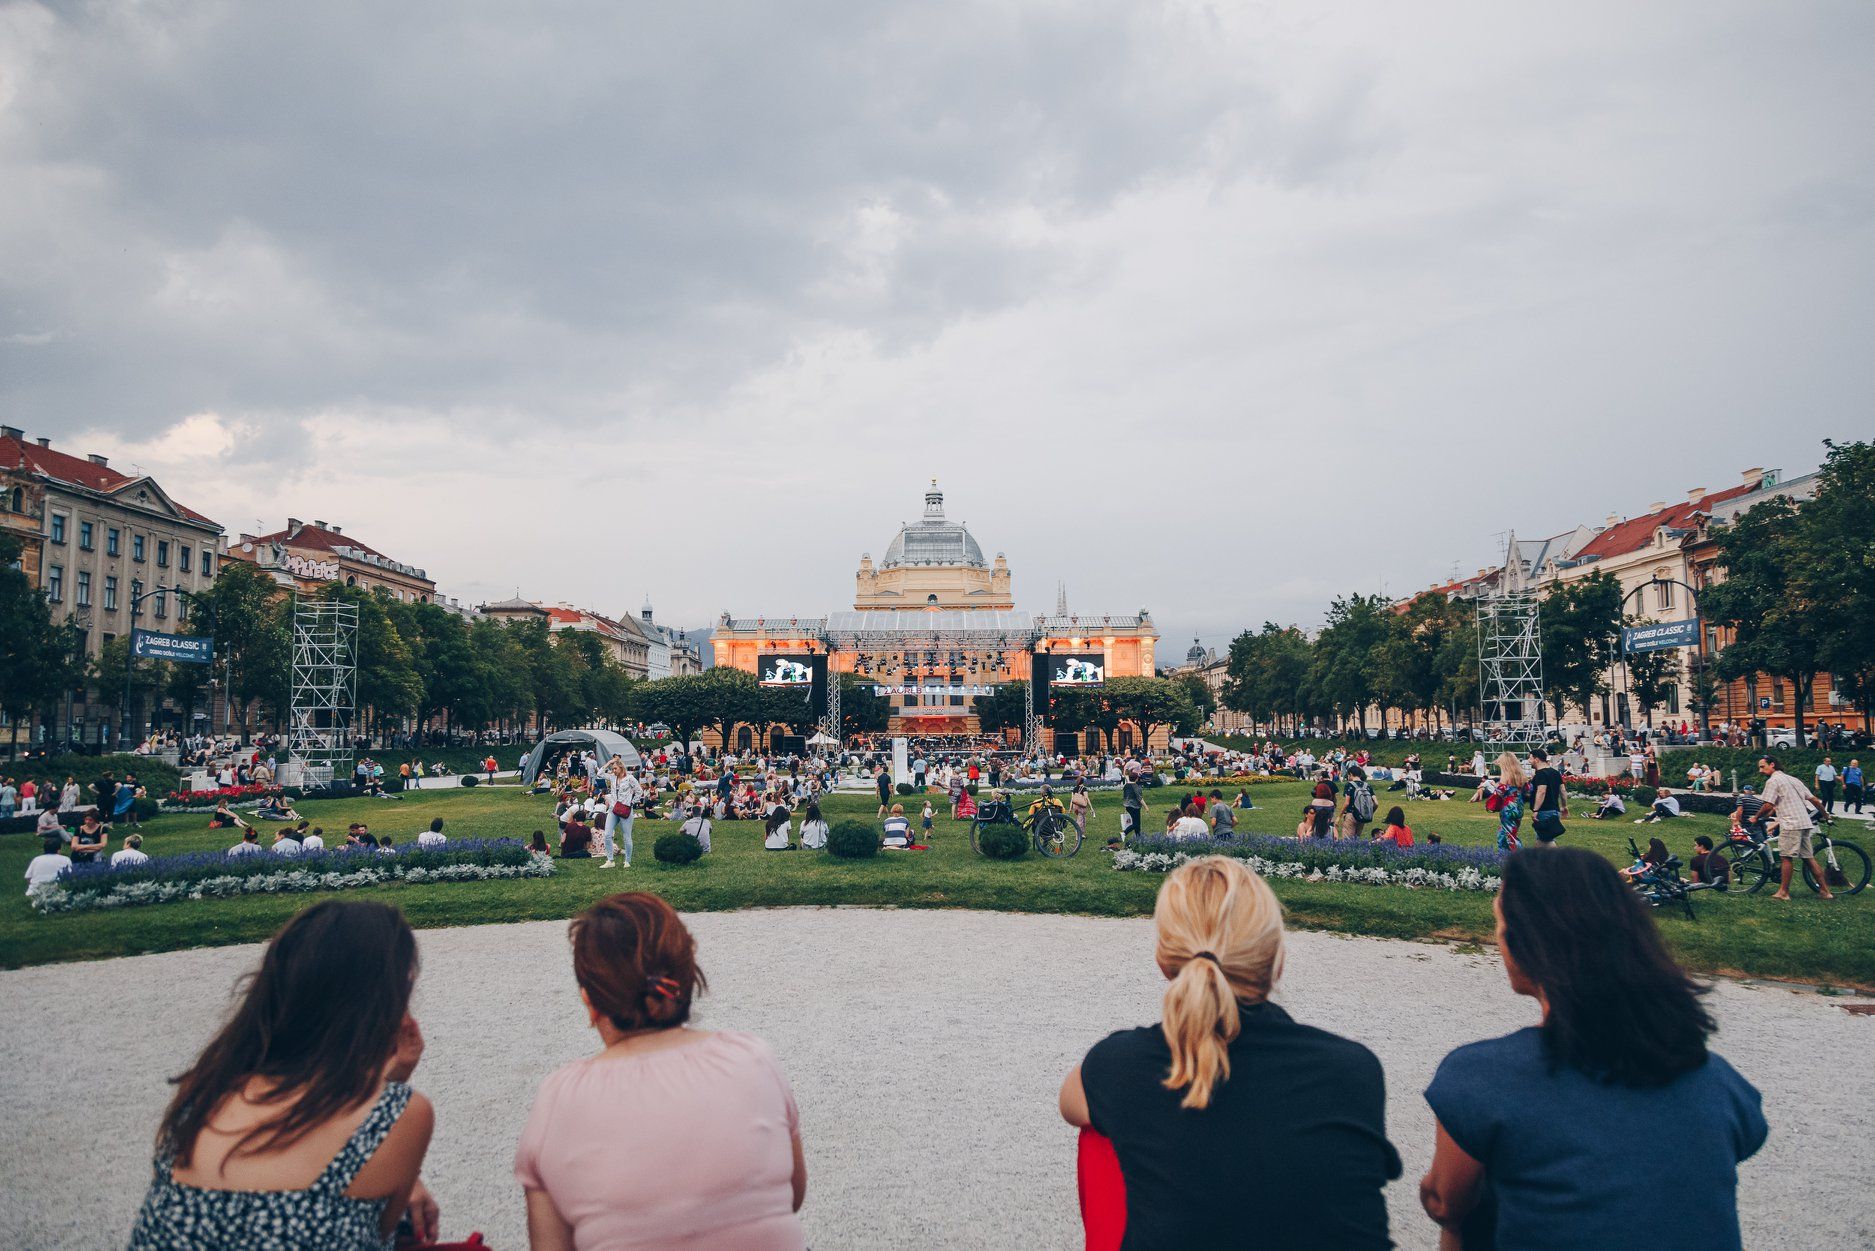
column 645, row 612
column 1061, row 599
column 934, row 503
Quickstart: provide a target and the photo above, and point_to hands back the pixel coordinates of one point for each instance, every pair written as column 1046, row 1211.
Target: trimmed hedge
column 853, row 840
column 1004, row 842
column 677, row 849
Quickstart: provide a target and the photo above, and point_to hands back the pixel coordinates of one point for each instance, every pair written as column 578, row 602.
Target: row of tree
column 1797, row 599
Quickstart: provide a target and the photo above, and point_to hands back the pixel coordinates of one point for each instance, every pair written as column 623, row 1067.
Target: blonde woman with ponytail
column 1234, row 1124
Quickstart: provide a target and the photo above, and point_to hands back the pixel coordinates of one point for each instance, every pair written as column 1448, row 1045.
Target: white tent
column 823, row 739
column 604, row 743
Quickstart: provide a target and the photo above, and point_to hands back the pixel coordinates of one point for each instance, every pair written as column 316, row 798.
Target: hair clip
column 663, row 987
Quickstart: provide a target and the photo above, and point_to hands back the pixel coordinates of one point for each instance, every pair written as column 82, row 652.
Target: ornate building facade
column 934, row 625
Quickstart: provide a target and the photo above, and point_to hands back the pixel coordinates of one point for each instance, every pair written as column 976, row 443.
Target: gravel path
column 925, row 1048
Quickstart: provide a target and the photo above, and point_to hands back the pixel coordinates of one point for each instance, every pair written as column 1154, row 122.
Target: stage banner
column 1659, row 637
column 183, row 649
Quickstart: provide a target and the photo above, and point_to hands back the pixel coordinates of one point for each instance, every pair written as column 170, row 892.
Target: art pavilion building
column 935, row 624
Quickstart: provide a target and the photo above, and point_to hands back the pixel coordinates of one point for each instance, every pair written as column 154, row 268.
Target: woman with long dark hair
column 295, row 1127
column 669, row 1135
column 1566, row 1134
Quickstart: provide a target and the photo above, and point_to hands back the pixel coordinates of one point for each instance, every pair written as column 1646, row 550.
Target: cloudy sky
column 1220, row 309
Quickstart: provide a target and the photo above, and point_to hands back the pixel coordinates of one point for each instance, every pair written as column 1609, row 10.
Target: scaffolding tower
column 325, row 689
column 830, row 723
column 1510, row 671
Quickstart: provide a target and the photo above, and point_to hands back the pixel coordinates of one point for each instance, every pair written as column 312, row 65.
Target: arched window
column 931, row 600
column 745, row 738
column 19, row 500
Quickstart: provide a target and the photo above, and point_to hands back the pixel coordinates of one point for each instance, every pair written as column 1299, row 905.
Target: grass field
column 1806, row 939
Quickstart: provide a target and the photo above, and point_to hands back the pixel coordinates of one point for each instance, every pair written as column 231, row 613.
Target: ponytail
column 1221, row 944
column 1201, row 1021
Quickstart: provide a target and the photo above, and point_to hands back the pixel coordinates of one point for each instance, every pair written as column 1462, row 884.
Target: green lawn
column 1806, row 939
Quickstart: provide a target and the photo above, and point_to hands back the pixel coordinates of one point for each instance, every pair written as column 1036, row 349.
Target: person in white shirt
column 313, row 841
column 433, row 838
column 813, row 829
column 44, row 869
column 284, row 844
column 1190, row 826
column 130, row 853
column 249, row 844
column 697, row 825
column 897, row 829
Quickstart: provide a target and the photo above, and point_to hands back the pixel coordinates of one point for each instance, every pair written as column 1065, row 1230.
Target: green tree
column 388, row 683
column 1768, row 599
column 1002, row 709
column 1839, row 524
column 1151, row 703
column 252, row 637
column 1345, row 667
column 40, row 659
column 862, row 711
column 1265, row 674
column 1580, row 628
column 1650, row 676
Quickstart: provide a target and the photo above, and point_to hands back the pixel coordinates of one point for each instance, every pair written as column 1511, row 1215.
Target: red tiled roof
column 319, row 539
column 77, row 471
column 1637, row 532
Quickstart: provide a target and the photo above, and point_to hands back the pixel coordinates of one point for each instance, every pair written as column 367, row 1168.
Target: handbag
column 622, row 810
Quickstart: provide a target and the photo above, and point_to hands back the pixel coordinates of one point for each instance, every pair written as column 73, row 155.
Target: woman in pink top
column 669, row 1136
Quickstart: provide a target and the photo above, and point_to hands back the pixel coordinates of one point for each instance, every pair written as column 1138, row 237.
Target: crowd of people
column 298, row 1123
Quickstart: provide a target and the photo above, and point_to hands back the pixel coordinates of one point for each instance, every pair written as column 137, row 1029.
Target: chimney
column 96, row 459
column 1657, row 506
column 337, row 530
column 1753, row 476
column 43, row 441
column 1613, row 521
column 12, row 432
column 1696, row 494
column 320, row 524
column 293, row 526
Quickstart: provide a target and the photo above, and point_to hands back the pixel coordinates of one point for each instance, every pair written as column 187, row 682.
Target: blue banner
column 183, row 649
column 1659, row 636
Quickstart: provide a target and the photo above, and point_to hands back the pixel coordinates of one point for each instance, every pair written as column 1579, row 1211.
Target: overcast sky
column 1217, row 309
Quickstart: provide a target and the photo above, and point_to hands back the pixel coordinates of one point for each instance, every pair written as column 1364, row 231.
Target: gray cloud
column 1206, row 307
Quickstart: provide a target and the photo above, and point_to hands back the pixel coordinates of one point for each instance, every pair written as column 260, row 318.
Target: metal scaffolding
column 325, row 689
column 830, row 723
column 1510, row 671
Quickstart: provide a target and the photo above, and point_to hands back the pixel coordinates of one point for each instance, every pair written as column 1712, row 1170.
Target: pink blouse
column 687, row 1147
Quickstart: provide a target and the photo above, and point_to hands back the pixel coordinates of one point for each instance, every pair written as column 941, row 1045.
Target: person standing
column 1549, row 803
column 1132, row 808
column 1080, row 806
column 1826, row 784
column 1852, row 787
column 883, row 782
column 1506, row 800
column 1793, row 803
column 623, row 795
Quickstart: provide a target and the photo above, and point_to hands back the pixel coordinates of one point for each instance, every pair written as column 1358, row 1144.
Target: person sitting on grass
column 1223, row 818
column 284, row 844
column 1396, row 830
column 1243, row 801
column 896, row 834
column 1188, row 824
column 130, row 853
column 697, row 825
column 44, row 869
column 1665, row 808
column 223, row 817
column 1655, row 856
column 249, row 844
column 575, row 838
column 90, row 839
column 1611, row 805
column 433, row 839
column 668, row 1135
column 1707, row 865
column 1228, row 1109
column 814, row 829
column 313, row 839
column 355, row 835
column 295, row 1125
column 775, row 831
column 385, row 846
column 539, row 844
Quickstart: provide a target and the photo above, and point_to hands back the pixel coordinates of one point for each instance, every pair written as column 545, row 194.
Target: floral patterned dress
column 178, row 1217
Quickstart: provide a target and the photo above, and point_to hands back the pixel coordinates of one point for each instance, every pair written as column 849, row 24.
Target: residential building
column 309, row 555
column 1213, row 670
column 625, row 641
column 671, row 652
column 109, row 549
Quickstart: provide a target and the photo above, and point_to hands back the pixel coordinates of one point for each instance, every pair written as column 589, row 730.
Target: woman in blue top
column 1568, row 1134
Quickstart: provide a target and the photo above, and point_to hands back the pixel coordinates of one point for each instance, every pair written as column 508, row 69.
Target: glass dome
column 934, row 540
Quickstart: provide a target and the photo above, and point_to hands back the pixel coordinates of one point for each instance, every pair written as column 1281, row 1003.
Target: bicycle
column 1754, row 862
column 1047, row 826
column 1661, row 884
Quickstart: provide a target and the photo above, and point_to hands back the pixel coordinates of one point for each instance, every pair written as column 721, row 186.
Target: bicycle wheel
column 976, row 835
column 1750, row 871
column 1845, row 864
column 1056, row 836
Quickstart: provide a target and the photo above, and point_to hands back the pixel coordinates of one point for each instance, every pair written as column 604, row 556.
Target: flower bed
column 187, row 801
column 1227, row 779
column 1439, row 866
column 205, row 874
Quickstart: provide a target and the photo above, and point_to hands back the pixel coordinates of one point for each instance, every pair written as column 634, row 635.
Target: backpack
column 1361, row 800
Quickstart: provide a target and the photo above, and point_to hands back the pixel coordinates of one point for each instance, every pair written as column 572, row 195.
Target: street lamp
column 130, row 652
column 1699, row 628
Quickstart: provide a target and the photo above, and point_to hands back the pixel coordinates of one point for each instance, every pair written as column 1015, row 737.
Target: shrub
column 853, row 840
column 1004, row 842
column 469, row 779
column 677, row 849
column 905, row 788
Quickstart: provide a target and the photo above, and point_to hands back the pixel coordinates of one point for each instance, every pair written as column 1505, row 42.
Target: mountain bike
column 1754, row 862
column 1661, row 884
column 1047, row 825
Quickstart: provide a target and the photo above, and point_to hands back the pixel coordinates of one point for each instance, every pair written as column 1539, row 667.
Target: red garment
column 1398, row 835
column 1103, row 1192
